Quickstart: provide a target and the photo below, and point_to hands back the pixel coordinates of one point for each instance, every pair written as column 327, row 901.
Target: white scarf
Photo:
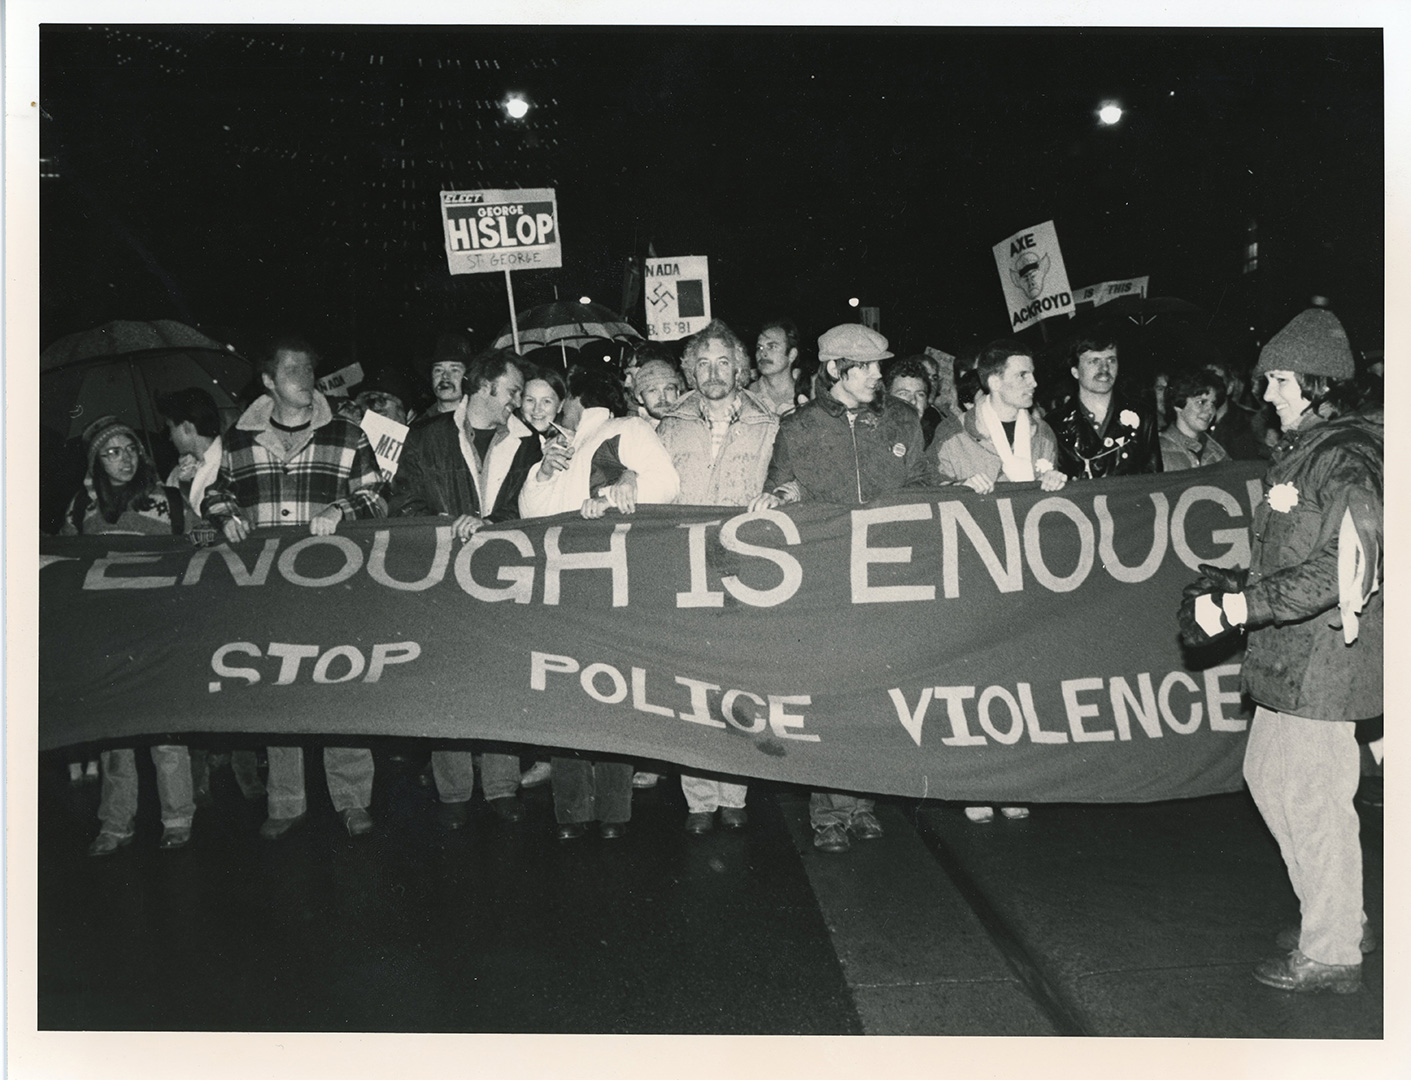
column 1017, row 462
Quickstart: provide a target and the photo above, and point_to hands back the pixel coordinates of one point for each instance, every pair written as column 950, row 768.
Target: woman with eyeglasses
column 122, row 493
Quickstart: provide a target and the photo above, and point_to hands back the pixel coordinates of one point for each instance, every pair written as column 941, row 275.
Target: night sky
column 246, row 179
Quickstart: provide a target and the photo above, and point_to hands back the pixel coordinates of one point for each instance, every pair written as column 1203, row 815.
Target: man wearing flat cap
column 851, row 444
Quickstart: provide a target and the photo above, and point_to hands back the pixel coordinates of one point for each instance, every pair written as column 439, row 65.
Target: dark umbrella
column 121, row 368
column 568, row 323
column 1142, row 310
column 121, row 338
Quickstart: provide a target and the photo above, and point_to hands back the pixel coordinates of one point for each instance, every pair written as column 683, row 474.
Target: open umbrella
column 120, row 368
column 568, row 323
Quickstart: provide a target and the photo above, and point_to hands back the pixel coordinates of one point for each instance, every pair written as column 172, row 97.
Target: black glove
column 1192, row 633
column 1220, row 579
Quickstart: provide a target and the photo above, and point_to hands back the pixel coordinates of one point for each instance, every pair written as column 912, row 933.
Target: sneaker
column 536, row 774
column 1300, row 974
column 105, row 843
column 832, row 838
column 1015, row 813
column 980, row 814
column 865, row 826
column 645, row 779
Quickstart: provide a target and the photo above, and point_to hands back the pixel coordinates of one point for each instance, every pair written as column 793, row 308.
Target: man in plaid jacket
column 290, row 461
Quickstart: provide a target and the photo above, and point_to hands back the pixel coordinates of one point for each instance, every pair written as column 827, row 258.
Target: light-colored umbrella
column 567, row 323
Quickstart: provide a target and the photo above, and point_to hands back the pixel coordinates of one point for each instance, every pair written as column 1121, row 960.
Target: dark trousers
column 587, row 790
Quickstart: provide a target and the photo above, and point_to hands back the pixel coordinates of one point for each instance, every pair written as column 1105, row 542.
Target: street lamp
column 1109, row 113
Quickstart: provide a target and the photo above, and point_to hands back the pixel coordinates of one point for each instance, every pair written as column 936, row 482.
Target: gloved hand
column 1221, row 579
column 1203, row 615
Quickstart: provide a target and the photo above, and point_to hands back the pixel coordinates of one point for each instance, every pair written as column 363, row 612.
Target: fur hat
column 450, row 348
column 1313, row 343
column 101, row 432
column 852, row 341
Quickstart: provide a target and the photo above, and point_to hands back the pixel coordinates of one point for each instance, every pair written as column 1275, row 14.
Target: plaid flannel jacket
column 334, row 465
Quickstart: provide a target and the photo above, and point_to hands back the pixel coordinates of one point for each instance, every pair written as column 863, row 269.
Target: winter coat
column 332, row 464
column 604, row 446
column 834, row 459
column 1323, row 473
column 1179, row 451
column 970, row 451
column 440, row 472
column 736, row 475
column 1124, row 444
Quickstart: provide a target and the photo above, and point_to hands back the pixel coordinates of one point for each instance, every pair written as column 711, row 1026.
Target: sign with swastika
column 678, row 296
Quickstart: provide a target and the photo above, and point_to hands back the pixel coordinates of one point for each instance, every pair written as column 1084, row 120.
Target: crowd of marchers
column 708, row 421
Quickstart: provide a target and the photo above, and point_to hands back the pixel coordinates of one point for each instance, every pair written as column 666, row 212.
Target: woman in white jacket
column 614, row 461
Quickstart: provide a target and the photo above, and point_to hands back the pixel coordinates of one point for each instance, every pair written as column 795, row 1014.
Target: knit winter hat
column 1313, row 343
column 852, row 341
column 103, row 431
column 654, row 373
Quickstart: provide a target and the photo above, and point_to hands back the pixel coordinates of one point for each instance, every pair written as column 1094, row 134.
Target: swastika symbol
column 661, row 295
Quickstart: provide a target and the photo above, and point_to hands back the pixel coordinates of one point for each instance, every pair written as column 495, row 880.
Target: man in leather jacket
column 1102, row 432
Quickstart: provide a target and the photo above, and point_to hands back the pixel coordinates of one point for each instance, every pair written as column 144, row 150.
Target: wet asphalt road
column 1081, row 920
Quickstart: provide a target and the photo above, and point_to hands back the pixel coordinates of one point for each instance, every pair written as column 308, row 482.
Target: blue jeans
column 454, row 771
column 587, row 790
column 117, row 804
column 349, row 772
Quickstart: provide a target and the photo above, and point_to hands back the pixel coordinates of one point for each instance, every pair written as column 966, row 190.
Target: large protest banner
column 494, row 230
column 1020, row 645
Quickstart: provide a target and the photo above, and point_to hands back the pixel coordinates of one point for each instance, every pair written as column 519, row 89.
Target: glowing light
column 585, row 299
column 516, row 106
column 1109, row 113
column 853, row 301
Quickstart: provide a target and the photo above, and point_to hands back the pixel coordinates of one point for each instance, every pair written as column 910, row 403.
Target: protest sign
column 496, row 230
column 1105, row 291
column 340, row 382
column 945, row 363
column 387, row 438
column 678, row 296
column 1019, row 645
column 1033, row 277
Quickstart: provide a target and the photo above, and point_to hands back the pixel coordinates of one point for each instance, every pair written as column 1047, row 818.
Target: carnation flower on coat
column 1130, row 419
column 1282, row 497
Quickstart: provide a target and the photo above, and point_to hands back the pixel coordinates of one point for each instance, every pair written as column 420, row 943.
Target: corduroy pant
column 1303, row 774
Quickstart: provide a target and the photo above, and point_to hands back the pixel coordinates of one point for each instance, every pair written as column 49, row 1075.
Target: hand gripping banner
column 1014, row 646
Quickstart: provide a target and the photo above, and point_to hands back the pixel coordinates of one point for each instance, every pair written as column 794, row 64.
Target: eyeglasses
column 114, row 453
